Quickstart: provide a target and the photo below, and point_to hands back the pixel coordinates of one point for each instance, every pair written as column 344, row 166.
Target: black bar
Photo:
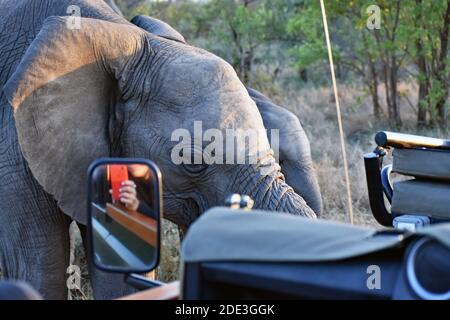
column 375, row 188
column 386, row 182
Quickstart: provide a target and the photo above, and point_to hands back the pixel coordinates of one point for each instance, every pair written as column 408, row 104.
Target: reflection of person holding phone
column 135, row 192
column 124, row 204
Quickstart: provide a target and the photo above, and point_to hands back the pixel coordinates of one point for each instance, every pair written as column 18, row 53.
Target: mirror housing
column 124, row 215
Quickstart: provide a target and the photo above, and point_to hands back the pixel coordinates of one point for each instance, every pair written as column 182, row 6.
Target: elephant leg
column 106, row 286
column 34, row 236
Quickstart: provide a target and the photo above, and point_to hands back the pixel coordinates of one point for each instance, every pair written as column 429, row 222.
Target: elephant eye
column 192, row 167
column 195, row 168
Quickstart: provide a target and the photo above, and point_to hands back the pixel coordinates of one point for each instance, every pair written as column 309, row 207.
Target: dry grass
column 316, row 109
column 167, row 271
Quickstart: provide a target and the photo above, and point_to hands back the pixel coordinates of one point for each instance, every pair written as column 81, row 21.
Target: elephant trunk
column 281, row 197
column 271, row 192
column 180, row 211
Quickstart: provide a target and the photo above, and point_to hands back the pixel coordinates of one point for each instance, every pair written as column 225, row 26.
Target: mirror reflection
column 124, row 216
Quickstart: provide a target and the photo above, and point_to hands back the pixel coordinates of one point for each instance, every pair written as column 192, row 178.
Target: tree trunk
column 424, row 83
column 303, row 74
column 422, row 109
column 384, row 58
column 441, row 71
column 393, row 92
column 246, row 66
column 374, row 90
column 442, row 112
column 388, row 90
column 372, row 80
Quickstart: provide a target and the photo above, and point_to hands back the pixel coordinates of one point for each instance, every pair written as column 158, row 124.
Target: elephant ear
column 158, row 27
column 61, row 93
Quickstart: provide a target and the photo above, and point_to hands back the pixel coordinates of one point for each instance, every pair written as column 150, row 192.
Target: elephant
column 294, row 149
column 113, row 88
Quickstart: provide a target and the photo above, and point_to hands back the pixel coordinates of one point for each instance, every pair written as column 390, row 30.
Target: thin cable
column 338, row 110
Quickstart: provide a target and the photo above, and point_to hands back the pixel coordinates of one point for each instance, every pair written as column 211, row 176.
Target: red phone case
column 117, row 174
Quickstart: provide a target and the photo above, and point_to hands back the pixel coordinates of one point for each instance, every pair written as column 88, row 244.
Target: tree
column 430, row 23
column 268, row 36
column 306, row 29
column 353, row 47
column 240, row 27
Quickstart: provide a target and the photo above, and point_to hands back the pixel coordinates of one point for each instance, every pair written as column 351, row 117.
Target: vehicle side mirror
column 124, row 214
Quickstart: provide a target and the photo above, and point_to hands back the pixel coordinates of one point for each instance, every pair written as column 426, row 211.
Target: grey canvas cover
column 422, row 197
column 222, row 234
column 424, row 163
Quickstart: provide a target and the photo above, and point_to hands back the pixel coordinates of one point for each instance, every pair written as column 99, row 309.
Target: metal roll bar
column 386, row 139
column 372, row 162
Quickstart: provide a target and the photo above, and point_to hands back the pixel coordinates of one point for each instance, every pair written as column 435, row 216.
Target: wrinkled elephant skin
column 111, row 88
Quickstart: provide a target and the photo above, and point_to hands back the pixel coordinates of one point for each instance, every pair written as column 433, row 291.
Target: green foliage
column 306, row 26
column 250, row 34
column 270, row 40
column 239, row 28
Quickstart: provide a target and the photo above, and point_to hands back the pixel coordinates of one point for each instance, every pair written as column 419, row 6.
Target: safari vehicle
column 235, row 252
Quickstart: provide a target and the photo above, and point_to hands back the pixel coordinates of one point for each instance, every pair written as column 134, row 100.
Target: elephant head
column 109, row 89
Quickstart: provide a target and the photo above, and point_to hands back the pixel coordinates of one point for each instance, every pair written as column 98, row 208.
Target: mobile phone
column 117, row 174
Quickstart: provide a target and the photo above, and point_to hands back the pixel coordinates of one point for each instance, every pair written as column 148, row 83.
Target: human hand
column 128, row 195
